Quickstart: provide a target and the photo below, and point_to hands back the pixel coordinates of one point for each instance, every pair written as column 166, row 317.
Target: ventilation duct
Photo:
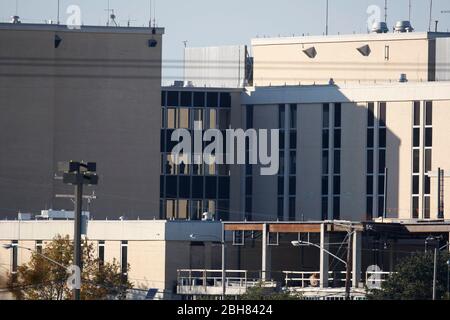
column 364, row 50
column 380, row 27
column 310, row 52
column 403, row 26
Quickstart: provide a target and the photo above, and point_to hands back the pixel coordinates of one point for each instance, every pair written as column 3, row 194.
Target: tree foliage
column 40, row 279
column 413, row 279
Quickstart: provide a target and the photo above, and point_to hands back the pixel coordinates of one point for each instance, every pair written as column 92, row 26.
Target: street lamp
column 223, row 244
column 306, row 243
column 436, row 249
column 9, row 246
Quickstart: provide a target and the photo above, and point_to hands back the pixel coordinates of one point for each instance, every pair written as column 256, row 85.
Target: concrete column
column 356, row 258
column 266, row 257
column 287, row 153
column 324, row 257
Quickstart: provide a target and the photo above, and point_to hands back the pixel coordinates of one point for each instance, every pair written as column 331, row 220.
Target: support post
column 356, row 261
column 324, row 258
column 265, row 263
column 224, row 286
column 349, row 265
column 77, row 233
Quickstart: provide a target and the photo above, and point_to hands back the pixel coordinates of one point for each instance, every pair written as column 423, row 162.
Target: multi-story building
column 89, row 94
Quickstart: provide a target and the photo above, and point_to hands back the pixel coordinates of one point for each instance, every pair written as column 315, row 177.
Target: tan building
column 91, row 94
column 366, row 58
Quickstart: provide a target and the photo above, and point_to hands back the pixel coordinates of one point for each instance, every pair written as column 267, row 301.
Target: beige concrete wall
column 399, row 117
column 283, row 61
column 309, row 161
column 95, row 98
column 440, row 157
column 353, row 161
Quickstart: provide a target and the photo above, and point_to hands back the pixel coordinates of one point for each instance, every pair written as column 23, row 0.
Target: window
column 370, row 138
column 370, row 166
column 337, row 138
column 238, row 238
column 186, row 99
column 292, row 209
column 293, row 124
column 382, row 114
column 416, row 161
column 381, row 161
column 382, row 138
column 428, row 158
column 416, row 113
column 326, row 115
column 281, row 116
column 101, row 252
column 293, row 162
column 337, row 185
column 39, row 246
column 249, row 116
column 426, row 207
column 370, row 115
column 415, row 207
column 415, row 185
column 325, row 160
column 428, row 137
column 386, row 53
column 199, row 99
column 15, row 244
column 369, row 208
column 124, row 257
column 324, row 208
column 337, row 162
column 325, row 138
column 429, row 113
column 416, row 137
column 336, row 208
column 369, row 185
column 172, row 99
column 337, row 115
column 280, row 207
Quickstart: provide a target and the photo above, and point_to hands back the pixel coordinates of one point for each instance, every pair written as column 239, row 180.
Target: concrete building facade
column 91, row 94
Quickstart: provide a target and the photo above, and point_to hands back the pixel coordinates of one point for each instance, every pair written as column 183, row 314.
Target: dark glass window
column 325, row 161
column 415, row 207
column 292, row 186
column 161, row 187
column 101, row 252
column 324, row 208
column 248, row 186
column 281, row 116
column 280, row 186
column 416, row 137
column 429, row 113
column 369, row 185
column 427, row 185
column 370, row 114
column 381, row 161
column 382, row 114
column 325, row 138
column 292, row 209
column 293, row 139
column 197, row 187
column 293, row 162
column 416, row 161
column 186, row 99
column 124, row 257
column 370, row 138
column 415, row 185
column 249, row 116
column 337, row 115
column 282, row 139
column 337, row 138
column 248, row 208
column 337, row 162
column 185, row 187
column 380, row 185
column 370, row 161
column 225, row 100
column 280, row 209
column 211, row 187
column 224, row 210
column 336, row 208
column 382, row 138
column 15, row 260
column 380, row 206
column 224, row 188
column 417, row 113
column 171, row 187
column 428, row 159
column 324, row 186
column 336, row 185
column 426, row 205
column 293, row 116
column 326, row 115
column 428, row 137
column 213, row 99
column 172, row 99
column 199, row 99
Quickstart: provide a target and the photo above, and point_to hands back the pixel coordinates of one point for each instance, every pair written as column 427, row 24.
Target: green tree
column 261, row 292
column 40, row 279
column 413, row 279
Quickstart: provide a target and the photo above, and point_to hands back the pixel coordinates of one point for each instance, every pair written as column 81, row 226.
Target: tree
column 40, row 279
column 413, row 279
column 261, row 292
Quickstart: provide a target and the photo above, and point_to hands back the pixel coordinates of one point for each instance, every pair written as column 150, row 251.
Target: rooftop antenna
column 17, row 7
column 154, row 14
column 326, row 26
column 385, row 10
column 150, row 21
column 57, row 19
column 431, row 15
column 410, row 10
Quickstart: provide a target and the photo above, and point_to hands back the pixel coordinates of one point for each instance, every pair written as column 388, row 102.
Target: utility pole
column 78, row 174
column 348, row 273
column 435, row 271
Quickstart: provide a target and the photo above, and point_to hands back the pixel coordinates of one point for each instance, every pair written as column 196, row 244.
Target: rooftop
column 65, row 28
column 349, row 38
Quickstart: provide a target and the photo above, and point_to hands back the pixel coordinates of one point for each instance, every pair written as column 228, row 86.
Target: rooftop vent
column 403, row 26
column 380, row 27
column 15, row 19
column 364, row 50
column 310, row 52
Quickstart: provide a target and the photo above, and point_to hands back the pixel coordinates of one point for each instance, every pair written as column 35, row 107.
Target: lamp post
column 448, row 279
column 436, row 249
column 223, row 244
column 9, row 246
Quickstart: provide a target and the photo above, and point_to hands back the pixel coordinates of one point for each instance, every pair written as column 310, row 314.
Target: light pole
column 223, row 244
column 448, row 279
column 9, row 246
column 300, row 243
column 436, row 249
